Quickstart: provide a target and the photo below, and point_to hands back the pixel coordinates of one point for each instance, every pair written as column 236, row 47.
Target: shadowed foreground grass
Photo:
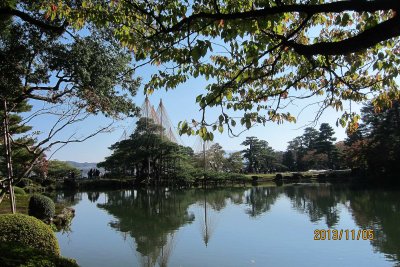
column 16, row 255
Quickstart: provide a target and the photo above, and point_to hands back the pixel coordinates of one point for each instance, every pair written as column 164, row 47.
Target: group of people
column 71, row 175
column 94, row 173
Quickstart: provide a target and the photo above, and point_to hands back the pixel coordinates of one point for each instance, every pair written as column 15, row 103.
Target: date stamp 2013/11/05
column 334, row 234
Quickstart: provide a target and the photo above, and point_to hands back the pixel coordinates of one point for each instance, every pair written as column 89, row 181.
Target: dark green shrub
column 32, row 188
column 28, row 231
column 19, row 191
column 24, row 182
column 48, row 182
column 183, row 175
column 41, row 207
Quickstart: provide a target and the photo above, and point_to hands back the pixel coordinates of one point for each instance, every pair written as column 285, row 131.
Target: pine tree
column 324, row 144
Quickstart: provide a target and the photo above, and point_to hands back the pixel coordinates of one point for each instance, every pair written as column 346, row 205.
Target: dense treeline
column 147, row 154
column 315, row 149
column 375, row 146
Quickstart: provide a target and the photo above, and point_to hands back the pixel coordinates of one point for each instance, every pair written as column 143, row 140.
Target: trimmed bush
column 28, row 231
column 19, row 191
column 41, row 207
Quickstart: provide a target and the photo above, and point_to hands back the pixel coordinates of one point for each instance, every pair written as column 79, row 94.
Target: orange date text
column 341, row 234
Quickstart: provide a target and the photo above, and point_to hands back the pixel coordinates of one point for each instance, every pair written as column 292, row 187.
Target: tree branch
column 4, row 11
column 368, row 38
column 335, row 7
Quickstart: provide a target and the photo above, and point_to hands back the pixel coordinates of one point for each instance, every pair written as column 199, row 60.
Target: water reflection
column 260, row 200
column 93, row 196
column 150, row 217
column 318, row 202
column 153, row 218
column 379, row 210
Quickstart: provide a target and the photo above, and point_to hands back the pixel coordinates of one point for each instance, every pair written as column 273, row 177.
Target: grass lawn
column 22, row 205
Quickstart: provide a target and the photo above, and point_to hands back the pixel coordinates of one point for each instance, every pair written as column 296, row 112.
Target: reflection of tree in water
column 260, row 200
column 317, row 201
column 69, row 197
column 166, row 251
column 93, row 196
column 379, row 210
column 217, row 198
column 214, row 200
column 150, row 217
column 374, row 209
column 207, row 222
column 158, row 255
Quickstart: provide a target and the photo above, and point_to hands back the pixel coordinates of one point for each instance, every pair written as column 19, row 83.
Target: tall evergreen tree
column 259, row 155
column 250, row 153
column 146, row 155
column 310, row 138
column 325, row 143
column 378, row 140
column 288, row 160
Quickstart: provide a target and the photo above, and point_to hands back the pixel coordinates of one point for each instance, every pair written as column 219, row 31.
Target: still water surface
column 259, row 226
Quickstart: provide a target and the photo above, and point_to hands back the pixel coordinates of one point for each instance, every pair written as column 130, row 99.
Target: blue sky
column 180, row 104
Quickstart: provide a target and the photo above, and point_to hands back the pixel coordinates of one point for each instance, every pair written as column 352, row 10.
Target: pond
column 257, row 226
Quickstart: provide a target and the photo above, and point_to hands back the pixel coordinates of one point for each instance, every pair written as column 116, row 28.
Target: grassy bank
column 22, row 202
column 306, row 174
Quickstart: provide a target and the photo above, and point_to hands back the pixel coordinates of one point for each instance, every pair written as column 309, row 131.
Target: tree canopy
column 375, row 146
column 315, row 149
column 147, row 153
column 61, row 169
column 260, row 157
column 259, row 56
column 72, row 77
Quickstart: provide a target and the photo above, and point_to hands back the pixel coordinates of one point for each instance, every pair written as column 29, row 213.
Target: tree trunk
column 7, row 150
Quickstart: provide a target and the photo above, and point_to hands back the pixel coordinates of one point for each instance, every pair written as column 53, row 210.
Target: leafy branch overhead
column 66, row 78
column 258, row 56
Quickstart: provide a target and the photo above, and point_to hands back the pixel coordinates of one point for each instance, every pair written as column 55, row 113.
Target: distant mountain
column 229, row 152
column 85, row 166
